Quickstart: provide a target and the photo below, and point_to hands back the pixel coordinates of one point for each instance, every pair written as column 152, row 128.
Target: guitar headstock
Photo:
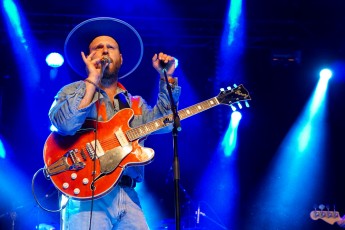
column 328, row 216
column 230, row 96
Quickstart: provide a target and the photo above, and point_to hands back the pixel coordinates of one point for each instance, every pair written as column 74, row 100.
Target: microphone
column 198, row 214
column 162, row 64
column 105, row 60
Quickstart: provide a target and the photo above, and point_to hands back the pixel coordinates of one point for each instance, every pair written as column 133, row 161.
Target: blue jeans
column 119, row 209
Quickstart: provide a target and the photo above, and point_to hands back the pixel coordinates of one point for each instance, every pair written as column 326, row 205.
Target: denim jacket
column 68, row 119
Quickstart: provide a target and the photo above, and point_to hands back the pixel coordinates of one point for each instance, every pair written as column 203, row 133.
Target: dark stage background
column 191, row 31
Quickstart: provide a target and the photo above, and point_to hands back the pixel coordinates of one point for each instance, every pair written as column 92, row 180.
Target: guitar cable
column 35, row 197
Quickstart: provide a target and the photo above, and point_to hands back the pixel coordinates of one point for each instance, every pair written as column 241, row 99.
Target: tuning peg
column 221, row 89
column 228, row 88
column 235, row 85
column 247, row 104
column 239, row 105
column 321, row 207
column 233, row 107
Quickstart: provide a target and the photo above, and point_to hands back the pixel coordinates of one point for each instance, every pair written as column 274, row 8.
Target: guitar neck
column 150, row 127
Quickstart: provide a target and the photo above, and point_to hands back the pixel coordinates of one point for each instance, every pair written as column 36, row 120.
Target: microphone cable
column 94, row 157
column 103, row 66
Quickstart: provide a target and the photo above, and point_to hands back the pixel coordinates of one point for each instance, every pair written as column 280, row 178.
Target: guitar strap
column 122, row 101
column 124, row 104
column 135, row 101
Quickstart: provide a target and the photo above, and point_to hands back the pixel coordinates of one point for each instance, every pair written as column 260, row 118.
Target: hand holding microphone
column 95, row 66
column 163, row 62
column 105, row 60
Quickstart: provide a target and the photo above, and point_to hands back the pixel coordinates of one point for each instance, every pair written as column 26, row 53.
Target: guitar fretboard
column 145, row 129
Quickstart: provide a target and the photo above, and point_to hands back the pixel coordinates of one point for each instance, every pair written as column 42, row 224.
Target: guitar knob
column 85, row 181
column 76, row 191
column 65, row 185
column 73, row 176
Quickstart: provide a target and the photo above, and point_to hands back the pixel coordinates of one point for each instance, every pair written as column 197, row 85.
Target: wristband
column 91, row 82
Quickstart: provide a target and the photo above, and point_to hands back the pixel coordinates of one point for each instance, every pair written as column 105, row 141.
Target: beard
column 109, row 77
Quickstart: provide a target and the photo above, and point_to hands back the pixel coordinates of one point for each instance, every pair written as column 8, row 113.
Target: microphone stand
column 176, row 166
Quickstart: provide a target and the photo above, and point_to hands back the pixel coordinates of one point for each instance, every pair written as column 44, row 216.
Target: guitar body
column 74, row 162
column 90, row 163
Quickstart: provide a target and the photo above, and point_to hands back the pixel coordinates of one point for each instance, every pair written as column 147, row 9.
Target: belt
column 127, row 181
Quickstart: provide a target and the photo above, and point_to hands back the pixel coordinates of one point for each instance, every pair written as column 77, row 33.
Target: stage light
column 22, row 46
column 233, row 20
column 14, row 18
column 230, row 139
column 54, row 60
column 44, row 226
column 2, row 150
column 326, row 74
column 303, row 150
column 235, row 118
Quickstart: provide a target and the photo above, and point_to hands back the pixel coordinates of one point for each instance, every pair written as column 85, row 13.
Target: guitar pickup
column 121, row 137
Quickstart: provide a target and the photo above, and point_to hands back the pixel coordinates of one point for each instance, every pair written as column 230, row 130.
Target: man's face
column 107, row 46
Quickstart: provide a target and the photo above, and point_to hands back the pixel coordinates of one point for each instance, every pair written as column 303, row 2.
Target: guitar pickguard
column 112, row 158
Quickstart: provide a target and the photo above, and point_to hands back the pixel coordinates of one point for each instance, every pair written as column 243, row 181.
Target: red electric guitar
column 78, row 163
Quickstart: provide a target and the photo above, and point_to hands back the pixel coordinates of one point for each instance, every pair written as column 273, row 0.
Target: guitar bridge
column 94, row 148
column 62, row 164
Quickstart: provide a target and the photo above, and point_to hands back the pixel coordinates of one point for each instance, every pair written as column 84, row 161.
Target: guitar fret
column 203, row 106
column 195, row 110
column 152, row 126
column 182, row 114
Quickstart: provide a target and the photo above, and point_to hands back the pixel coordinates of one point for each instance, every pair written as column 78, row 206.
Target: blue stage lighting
column 235, row 118
column 13, row 15
column 326, row 73
column 2, row 150
column 230, row 138
column 233, row 19
column 54, row 60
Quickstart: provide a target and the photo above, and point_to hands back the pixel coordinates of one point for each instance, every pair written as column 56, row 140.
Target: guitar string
column 109, row 143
